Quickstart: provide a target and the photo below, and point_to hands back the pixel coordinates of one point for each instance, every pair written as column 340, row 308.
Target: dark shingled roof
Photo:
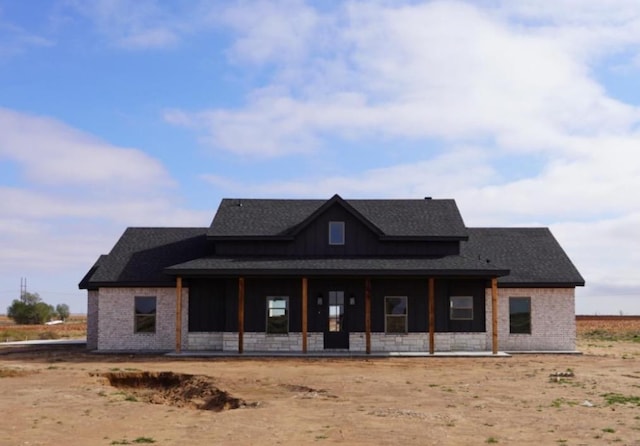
column 339, row 266
column 533, row 255
column 85, row 282
column 240, row 217
column 518, row 256
column 142, row 254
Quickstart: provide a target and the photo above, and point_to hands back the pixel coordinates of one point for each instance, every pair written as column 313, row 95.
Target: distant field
column 608, row 327
column 587, row 327
column 75, row 327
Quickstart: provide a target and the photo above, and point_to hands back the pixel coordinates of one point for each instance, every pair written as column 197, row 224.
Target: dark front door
column 336, row 332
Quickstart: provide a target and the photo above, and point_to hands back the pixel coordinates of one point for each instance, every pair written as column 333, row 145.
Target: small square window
column 461, row 308
column 395, row 314
column 145, row 314
column 336, row 233
column 520, row 315
column 277, row 315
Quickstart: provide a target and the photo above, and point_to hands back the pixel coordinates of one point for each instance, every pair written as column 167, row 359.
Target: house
column 274, row 275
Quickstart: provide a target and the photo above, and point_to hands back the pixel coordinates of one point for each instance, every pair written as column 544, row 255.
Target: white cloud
column 53, row 153
column 15, row 39
column 139, row 25
column 272, row 31
column 75, row 194
column 465, row 167
column 435, row 70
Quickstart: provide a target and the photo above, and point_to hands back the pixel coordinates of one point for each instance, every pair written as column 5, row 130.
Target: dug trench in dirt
column 175, row 389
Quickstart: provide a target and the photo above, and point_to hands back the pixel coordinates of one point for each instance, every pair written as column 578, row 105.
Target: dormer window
column 336, row 233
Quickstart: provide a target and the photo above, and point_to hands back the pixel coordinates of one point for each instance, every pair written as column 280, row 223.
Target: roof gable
column 390, row 218
column 336, row 200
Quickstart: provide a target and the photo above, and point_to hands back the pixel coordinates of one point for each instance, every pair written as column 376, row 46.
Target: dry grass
column 75, row 327
column 608, row 328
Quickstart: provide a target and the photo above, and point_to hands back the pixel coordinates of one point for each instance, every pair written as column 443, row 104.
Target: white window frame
column 405, row 315
column 452, row 307
column 269, row 309
column 338, row 224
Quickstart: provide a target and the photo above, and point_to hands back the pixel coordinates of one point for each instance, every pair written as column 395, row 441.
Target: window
column 145, row 314
column 336, row 233
column 336, row 311
column 520, row 315
column 278, row 315
column 395, row 314
column 461, row 308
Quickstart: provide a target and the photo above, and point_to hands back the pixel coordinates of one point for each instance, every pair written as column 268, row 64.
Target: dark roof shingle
column 141, row 254
column 395, row 218
column 533, row 255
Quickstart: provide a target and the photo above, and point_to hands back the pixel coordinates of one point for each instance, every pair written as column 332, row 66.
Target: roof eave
column 204, row 272
column 540, row 284
column 127, row 284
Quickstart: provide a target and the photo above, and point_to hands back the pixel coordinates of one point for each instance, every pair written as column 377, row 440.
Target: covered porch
column 344, row 312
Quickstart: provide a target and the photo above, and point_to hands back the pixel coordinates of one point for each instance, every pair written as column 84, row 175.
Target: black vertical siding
column 447, row 288
column 213, row 304
column 256, row 293
column 416, row 291
column 207, row 305
column 231, row 305
column 318, row 314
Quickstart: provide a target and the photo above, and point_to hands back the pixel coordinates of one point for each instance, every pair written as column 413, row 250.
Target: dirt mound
column 175, row 389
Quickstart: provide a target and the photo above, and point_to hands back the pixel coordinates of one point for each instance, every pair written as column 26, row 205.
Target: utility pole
column 23, row 287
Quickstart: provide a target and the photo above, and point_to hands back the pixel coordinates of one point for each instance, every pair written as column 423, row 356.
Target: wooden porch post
column 304, row 314
column 494, row 315
column 178, row 314
column 367, row 314
column 432, row 316
column 240, row 314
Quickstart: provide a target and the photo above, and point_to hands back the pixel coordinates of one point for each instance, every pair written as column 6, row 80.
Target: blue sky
column 147, row 113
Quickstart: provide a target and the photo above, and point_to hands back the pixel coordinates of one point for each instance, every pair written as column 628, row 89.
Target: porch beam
column 304, row 314
column 178, row 314
column 432, row 316
column 367, row 315
column 494, row 315
column 240, row 314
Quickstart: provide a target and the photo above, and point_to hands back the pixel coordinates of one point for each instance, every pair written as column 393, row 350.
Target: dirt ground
column 65, row 397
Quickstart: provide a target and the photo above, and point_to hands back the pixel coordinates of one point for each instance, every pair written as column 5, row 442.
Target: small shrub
column 144, row 440
column 492, row 440
column 618, row 398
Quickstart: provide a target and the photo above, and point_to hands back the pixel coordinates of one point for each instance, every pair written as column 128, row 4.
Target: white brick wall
column 553, row 320
column 92, row 319
column 116, row 320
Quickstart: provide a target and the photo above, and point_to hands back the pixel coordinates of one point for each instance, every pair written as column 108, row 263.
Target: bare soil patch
column 175, row 389
column 64, row 397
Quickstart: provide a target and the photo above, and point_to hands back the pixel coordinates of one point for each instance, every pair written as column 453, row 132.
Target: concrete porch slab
column 335, row 354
